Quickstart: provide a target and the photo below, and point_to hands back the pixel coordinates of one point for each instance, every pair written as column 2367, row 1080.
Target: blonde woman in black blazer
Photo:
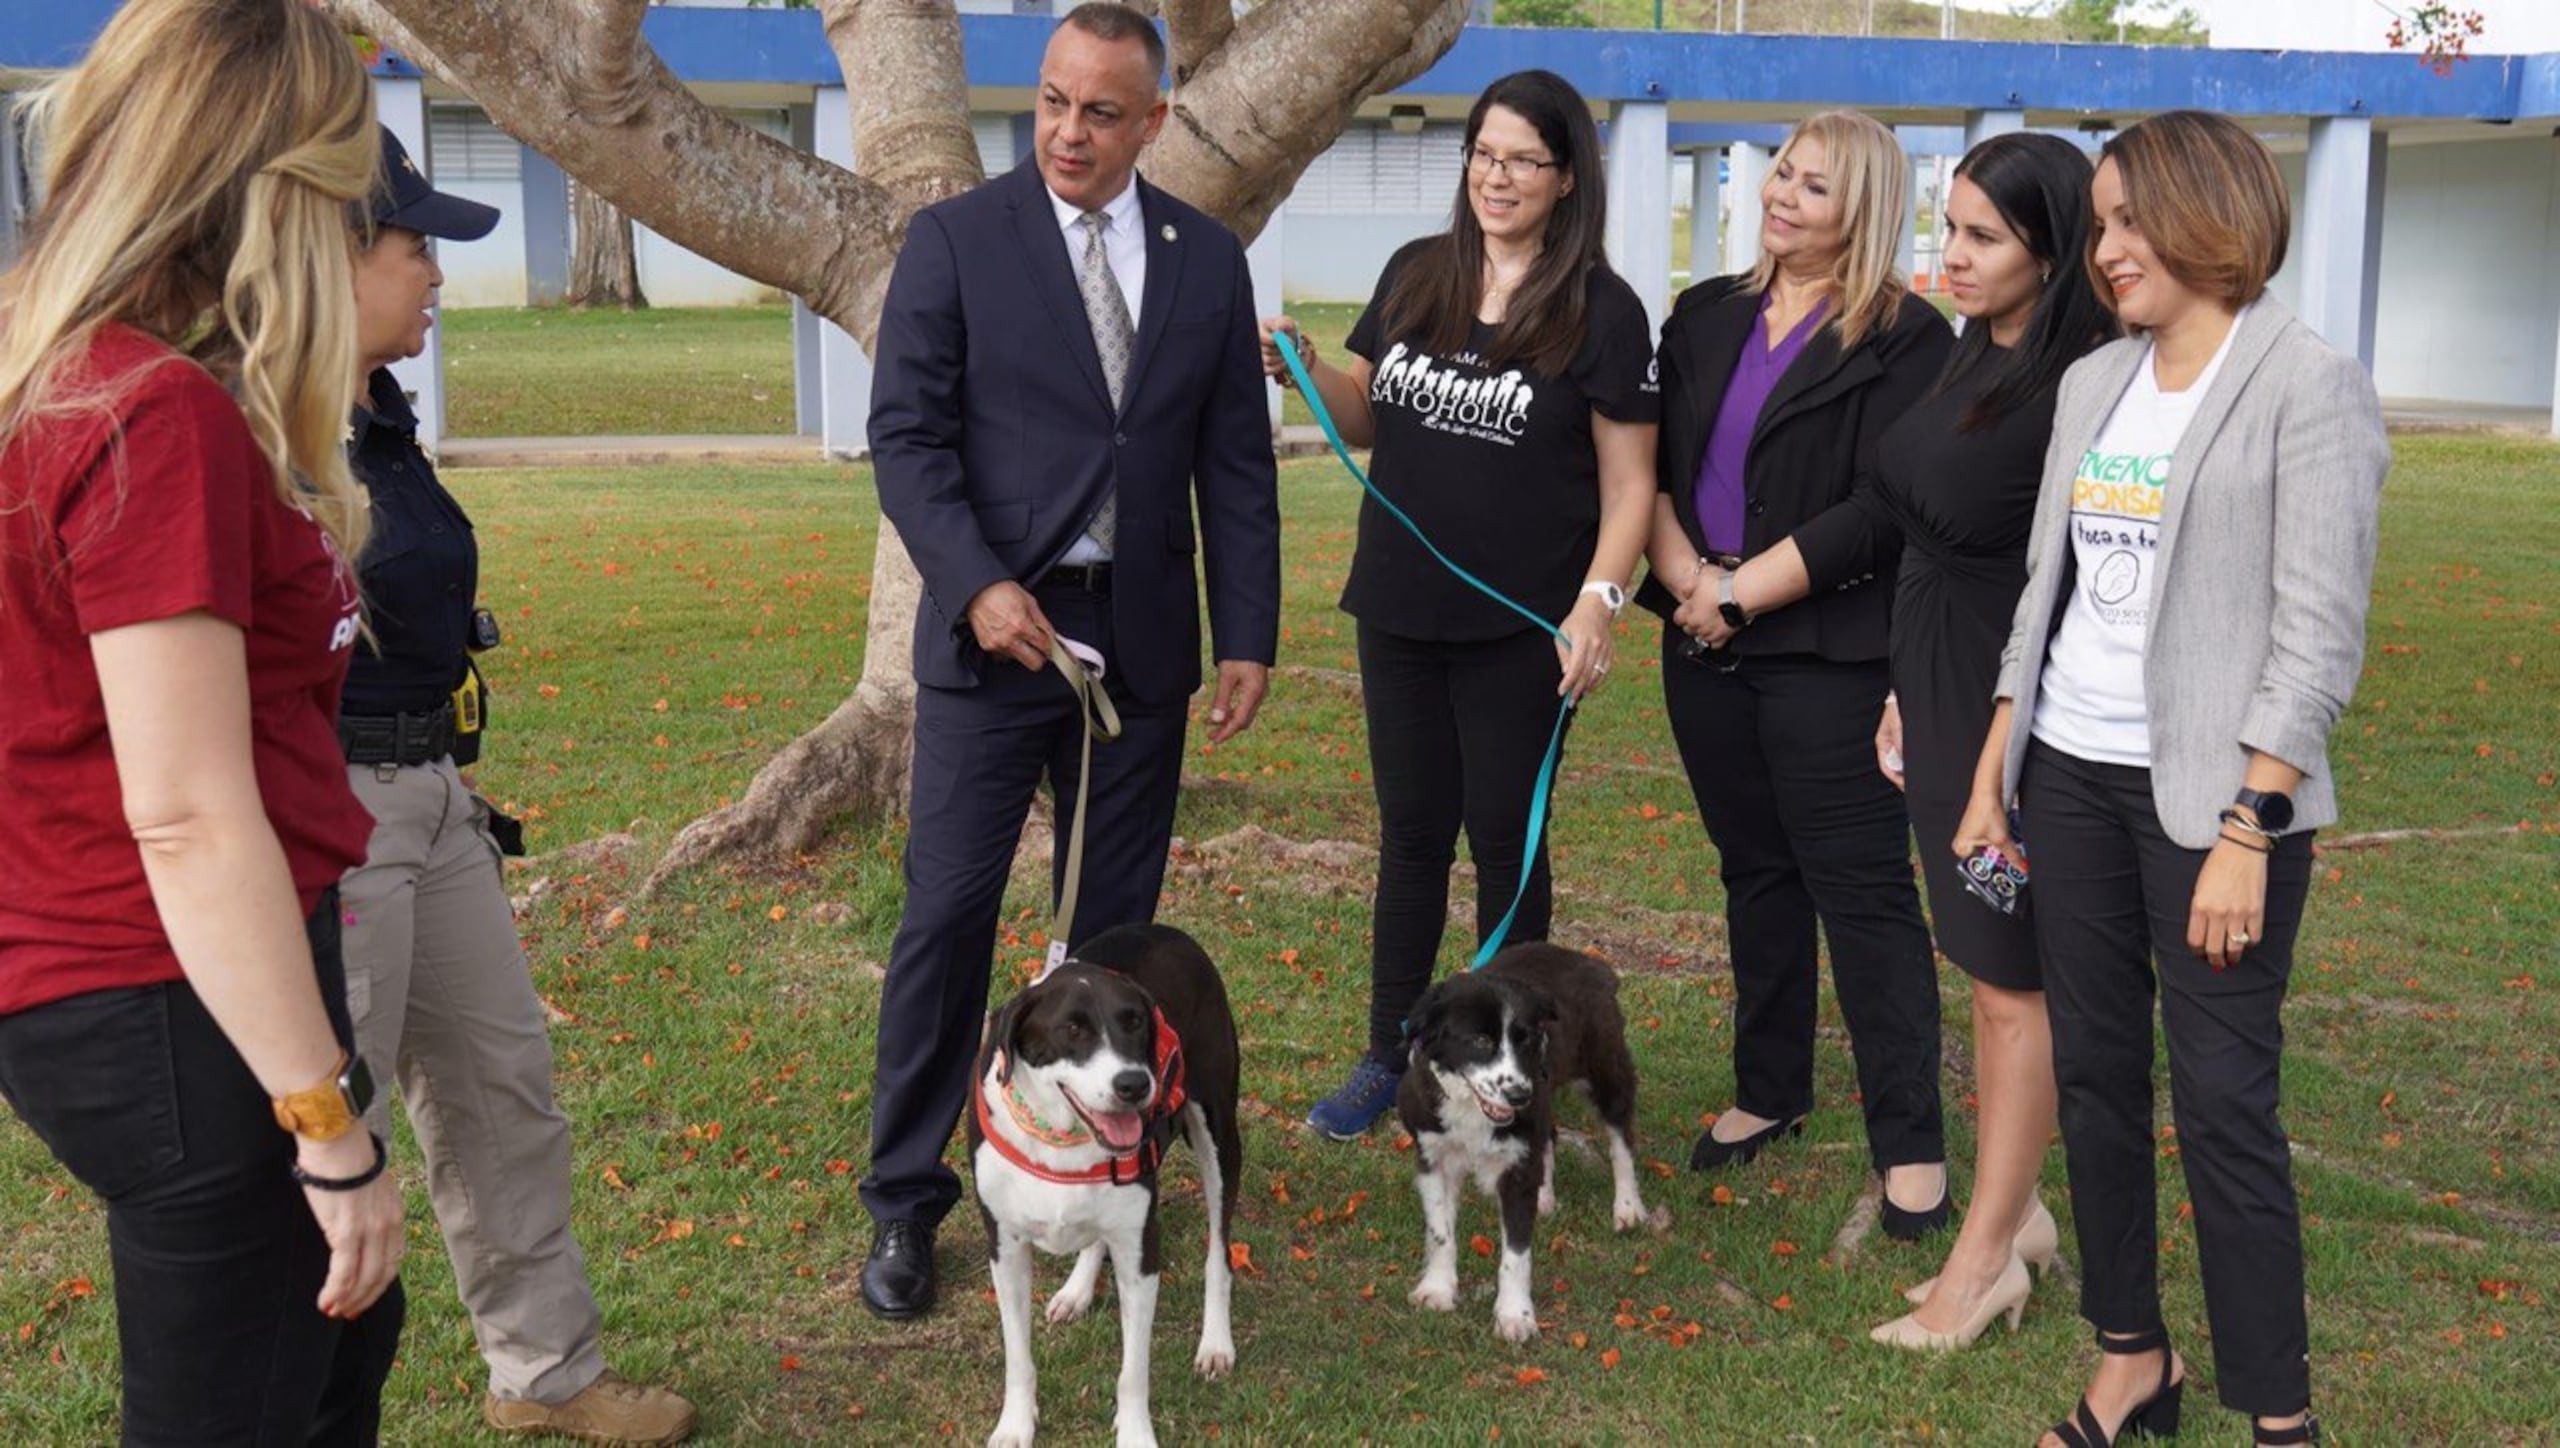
column 1775, row 386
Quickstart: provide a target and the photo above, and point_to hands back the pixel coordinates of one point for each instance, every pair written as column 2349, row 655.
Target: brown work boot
column 611, row 1410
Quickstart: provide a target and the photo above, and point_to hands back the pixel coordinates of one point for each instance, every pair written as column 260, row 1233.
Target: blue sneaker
column 1350, row 1111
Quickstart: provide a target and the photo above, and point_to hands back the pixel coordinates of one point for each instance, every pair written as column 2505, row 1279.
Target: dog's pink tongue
column 1119, row 1130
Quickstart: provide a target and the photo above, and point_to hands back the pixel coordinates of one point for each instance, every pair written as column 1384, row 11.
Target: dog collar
column 1034, row 1126
column 1172, row 1095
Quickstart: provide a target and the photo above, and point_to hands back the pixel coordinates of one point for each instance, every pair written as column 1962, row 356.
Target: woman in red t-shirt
column 176, row 353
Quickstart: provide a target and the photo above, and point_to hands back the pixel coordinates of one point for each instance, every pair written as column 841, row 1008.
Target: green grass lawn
column 561, row 372
column 669, row 628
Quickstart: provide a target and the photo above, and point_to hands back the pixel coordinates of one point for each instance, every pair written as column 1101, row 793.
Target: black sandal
column 2306, row 1431
column 2155, row 1417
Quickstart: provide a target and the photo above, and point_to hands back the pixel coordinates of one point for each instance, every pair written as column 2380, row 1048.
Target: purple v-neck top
column 1719, row 493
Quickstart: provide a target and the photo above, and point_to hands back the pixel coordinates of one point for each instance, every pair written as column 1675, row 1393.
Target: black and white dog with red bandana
column 1488, row 1051
column 1083, row 1080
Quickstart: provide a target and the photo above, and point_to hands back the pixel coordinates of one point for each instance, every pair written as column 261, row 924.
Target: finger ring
column 2242, row 936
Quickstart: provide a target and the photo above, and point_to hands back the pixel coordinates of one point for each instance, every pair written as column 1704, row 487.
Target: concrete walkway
column 1296, row 440
column 2420, row 414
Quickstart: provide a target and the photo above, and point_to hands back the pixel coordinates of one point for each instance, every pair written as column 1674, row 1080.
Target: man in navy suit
column 1067, row 375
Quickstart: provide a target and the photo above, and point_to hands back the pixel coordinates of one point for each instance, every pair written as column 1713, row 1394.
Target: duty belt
column 397, row 738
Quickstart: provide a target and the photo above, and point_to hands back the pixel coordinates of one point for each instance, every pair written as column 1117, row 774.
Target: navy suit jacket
column 993, row 437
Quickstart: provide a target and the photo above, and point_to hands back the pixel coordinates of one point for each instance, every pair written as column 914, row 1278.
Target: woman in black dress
column 1957, row 477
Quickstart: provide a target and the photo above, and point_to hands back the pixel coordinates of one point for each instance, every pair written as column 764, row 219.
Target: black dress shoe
column 1710, row 1153
column 897, row 1278
column 1908, row 1226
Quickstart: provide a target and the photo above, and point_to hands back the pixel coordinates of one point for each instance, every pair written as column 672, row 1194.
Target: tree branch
column 690, row 173
column 1281, row 88
column 364, row 17
column 612, row 60
column 911, row 131
column 1197, row 28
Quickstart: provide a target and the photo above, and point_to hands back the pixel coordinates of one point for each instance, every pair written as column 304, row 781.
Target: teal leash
column 1555, row 739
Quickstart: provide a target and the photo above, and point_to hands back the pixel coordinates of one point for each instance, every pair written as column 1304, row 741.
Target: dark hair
column 2040, row 186
column 1105, row 20
column 2208, row 198
column 1439, row 288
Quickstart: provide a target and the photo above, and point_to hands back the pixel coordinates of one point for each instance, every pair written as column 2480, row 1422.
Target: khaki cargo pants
column 442, row 993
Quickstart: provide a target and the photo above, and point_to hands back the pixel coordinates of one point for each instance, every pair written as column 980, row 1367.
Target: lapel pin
column 1167, row 233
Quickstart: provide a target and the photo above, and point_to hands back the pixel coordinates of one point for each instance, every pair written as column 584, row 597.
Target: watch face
column 1733, row 614
column 357, row 1083
column 2275, row 811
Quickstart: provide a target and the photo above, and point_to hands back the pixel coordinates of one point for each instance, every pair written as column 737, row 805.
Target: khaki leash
column 1082, row 668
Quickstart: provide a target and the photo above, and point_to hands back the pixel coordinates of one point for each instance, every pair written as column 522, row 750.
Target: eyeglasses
column 1509, row 168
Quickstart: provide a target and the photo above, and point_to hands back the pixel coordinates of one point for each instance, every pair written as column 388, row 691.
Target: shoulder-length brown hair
column 1441, row 285
column 1874, row 180
column 2208, row 198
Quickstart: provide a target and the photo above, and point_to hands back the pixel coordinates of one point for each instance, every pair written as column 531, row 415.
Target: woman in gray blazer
column 2192, row 627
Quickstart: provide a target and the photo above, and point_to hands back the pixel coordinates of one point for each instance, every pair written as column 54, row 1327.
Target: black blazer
column 1814, row 443
column 993, row 436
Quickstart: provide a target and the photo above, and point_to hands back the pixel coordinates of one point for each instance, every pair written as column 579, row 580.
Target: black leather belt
column 397, row 738
column 1090, row 577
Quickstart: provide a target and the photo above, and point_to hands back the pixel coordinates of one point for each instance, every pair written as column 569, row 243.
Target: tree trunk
column 604, row 264
column 1258, row 98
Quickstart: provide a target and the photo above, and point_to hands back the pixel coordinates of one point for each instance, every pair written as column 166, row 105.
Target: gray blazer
column 2264, row 567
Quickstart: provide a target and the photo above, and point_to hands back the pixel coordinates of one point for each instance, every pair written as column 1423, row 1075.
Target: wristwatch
column 2274, row 811
column 1610, row 594
column 331, row 1109
column 1734, row 614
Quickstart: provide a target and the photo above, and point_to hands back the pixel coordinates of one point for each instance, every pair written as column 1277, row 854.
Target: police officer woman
column 436, row 978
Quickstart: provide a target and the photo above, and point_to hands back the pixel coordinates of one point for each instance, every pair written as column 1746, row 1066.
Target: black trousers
column 218, row 1263
column 1456, row 732
column 1780, row 753
column 980, row 755
column 2112, row 896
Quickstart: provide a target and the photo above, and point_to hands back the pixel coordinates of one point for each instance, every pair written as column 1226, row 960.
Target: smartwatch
column 331, row 1109
column 1734, row 614
column 1610, row 594
column 2274, row 811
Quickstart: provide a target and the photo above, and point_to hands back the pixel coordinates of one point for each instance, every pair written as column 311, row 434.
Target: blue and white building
column 2427, row 206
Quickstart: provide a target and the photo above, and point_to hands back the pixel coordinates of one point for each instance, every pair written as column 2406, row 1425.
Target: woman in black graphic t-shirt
column 1503, row 376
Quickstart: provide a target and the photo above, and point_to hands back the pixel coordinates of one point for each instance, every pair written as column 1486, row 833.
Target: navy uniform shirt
column 419, row 570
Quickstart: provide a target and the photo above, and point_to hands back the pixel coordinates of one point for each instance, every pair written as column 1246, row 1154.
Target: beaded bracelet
column 381, row 1159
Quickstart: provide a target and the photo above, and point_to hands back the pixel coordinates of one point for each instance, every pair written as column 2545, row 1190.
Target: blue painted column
column 1747, row 167
column 1981, row 126
column 2339, row 181
column 401, row 103
column 546, row 229
column 808, row 364
column 1706, row 196
column 1639, row 224
column 12, row 182
column 844, row 409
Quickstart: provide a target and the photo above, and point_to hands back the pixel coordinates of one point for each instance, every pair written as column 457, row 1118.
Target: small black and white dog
column 1489, row 1049
column 1082, row 1081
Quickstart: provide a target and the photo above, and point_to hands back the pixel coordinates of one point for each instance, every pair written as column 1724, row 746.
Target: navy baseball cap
column 404, row 199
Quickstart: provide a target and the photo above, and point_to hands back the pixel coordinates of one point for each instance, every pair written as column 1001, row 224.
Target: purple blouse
column 1720, row 493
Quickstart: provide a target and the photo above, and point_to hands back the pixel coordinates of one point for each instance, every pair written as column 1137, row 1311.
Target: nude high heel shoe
column 2007, row 1297
column 2039, row 1239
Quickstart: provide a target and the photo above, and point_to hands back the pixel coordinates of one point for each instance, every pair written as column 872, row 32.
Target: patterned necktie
column 1107, row 312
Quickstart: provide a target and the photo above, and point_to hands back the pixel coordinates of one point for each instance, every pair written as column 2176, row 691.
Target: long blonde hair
column 1872, row 178
column 196, row 173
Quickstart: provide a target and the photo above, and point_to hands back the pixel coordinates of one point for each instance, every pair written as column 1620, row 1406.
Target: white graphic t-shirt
column 2090, row 703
